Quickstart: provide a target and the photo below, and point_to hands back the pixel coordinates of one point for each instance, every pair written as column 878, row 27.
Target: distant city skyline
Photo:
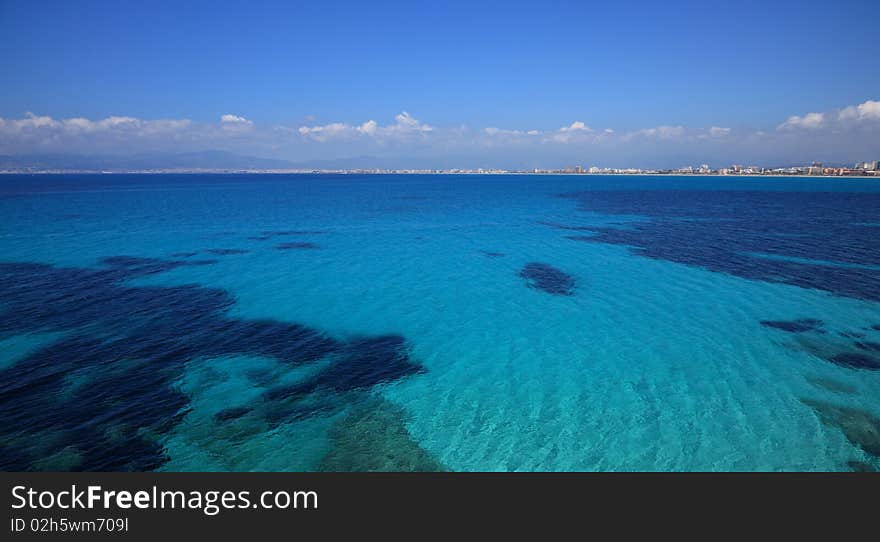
column 495, row 85
column 225, row 162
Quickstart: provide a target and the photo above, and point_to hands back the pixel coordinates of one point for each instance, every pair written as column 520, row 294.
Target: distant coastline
column 224, row 162
column 647, row 173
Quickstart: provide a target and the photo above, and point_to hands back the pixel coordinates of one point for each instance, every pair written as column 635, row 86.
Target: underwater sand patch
column 374, row 438
column 860, row 427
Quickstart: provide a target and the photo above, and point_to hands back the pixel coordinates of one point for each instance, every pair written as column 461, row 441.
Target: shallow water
column 257, row 322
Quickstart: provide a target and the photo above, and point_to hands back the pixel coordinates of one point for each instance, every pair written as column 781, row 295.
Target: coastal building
column 815, row 169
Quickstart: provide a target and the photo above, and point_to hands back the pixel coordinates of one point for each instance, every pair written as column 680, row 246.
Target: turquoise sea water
column 642, row 347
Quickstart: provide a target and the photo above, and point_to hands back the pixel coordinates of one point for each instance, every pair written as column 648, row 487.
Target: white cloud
column 662, row 132
column 80, row 124
column 35, row 125
column 405, row 124
column 501, row 137
column 164, row 126
column 492, row 131
column 579, row 133
column 810, row 121
column 573, row 132
column 509, row 133
column 38, row 133
column 576, row 126
column 852, row 132
column 235, row 120
column 369, row 127
column 854, row 117
column 327, row 131
column 236, row 124
column 869, row 110
column 112, row 122
column 29, row 122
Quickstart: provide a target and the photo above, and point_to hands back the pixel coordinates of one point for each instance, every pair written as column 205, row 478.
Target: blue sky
column 458, row 67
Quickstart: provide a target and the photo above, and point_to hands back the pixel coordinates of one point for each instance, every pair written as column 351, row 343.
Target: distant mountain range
column 219, row 160
column 187, row 160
